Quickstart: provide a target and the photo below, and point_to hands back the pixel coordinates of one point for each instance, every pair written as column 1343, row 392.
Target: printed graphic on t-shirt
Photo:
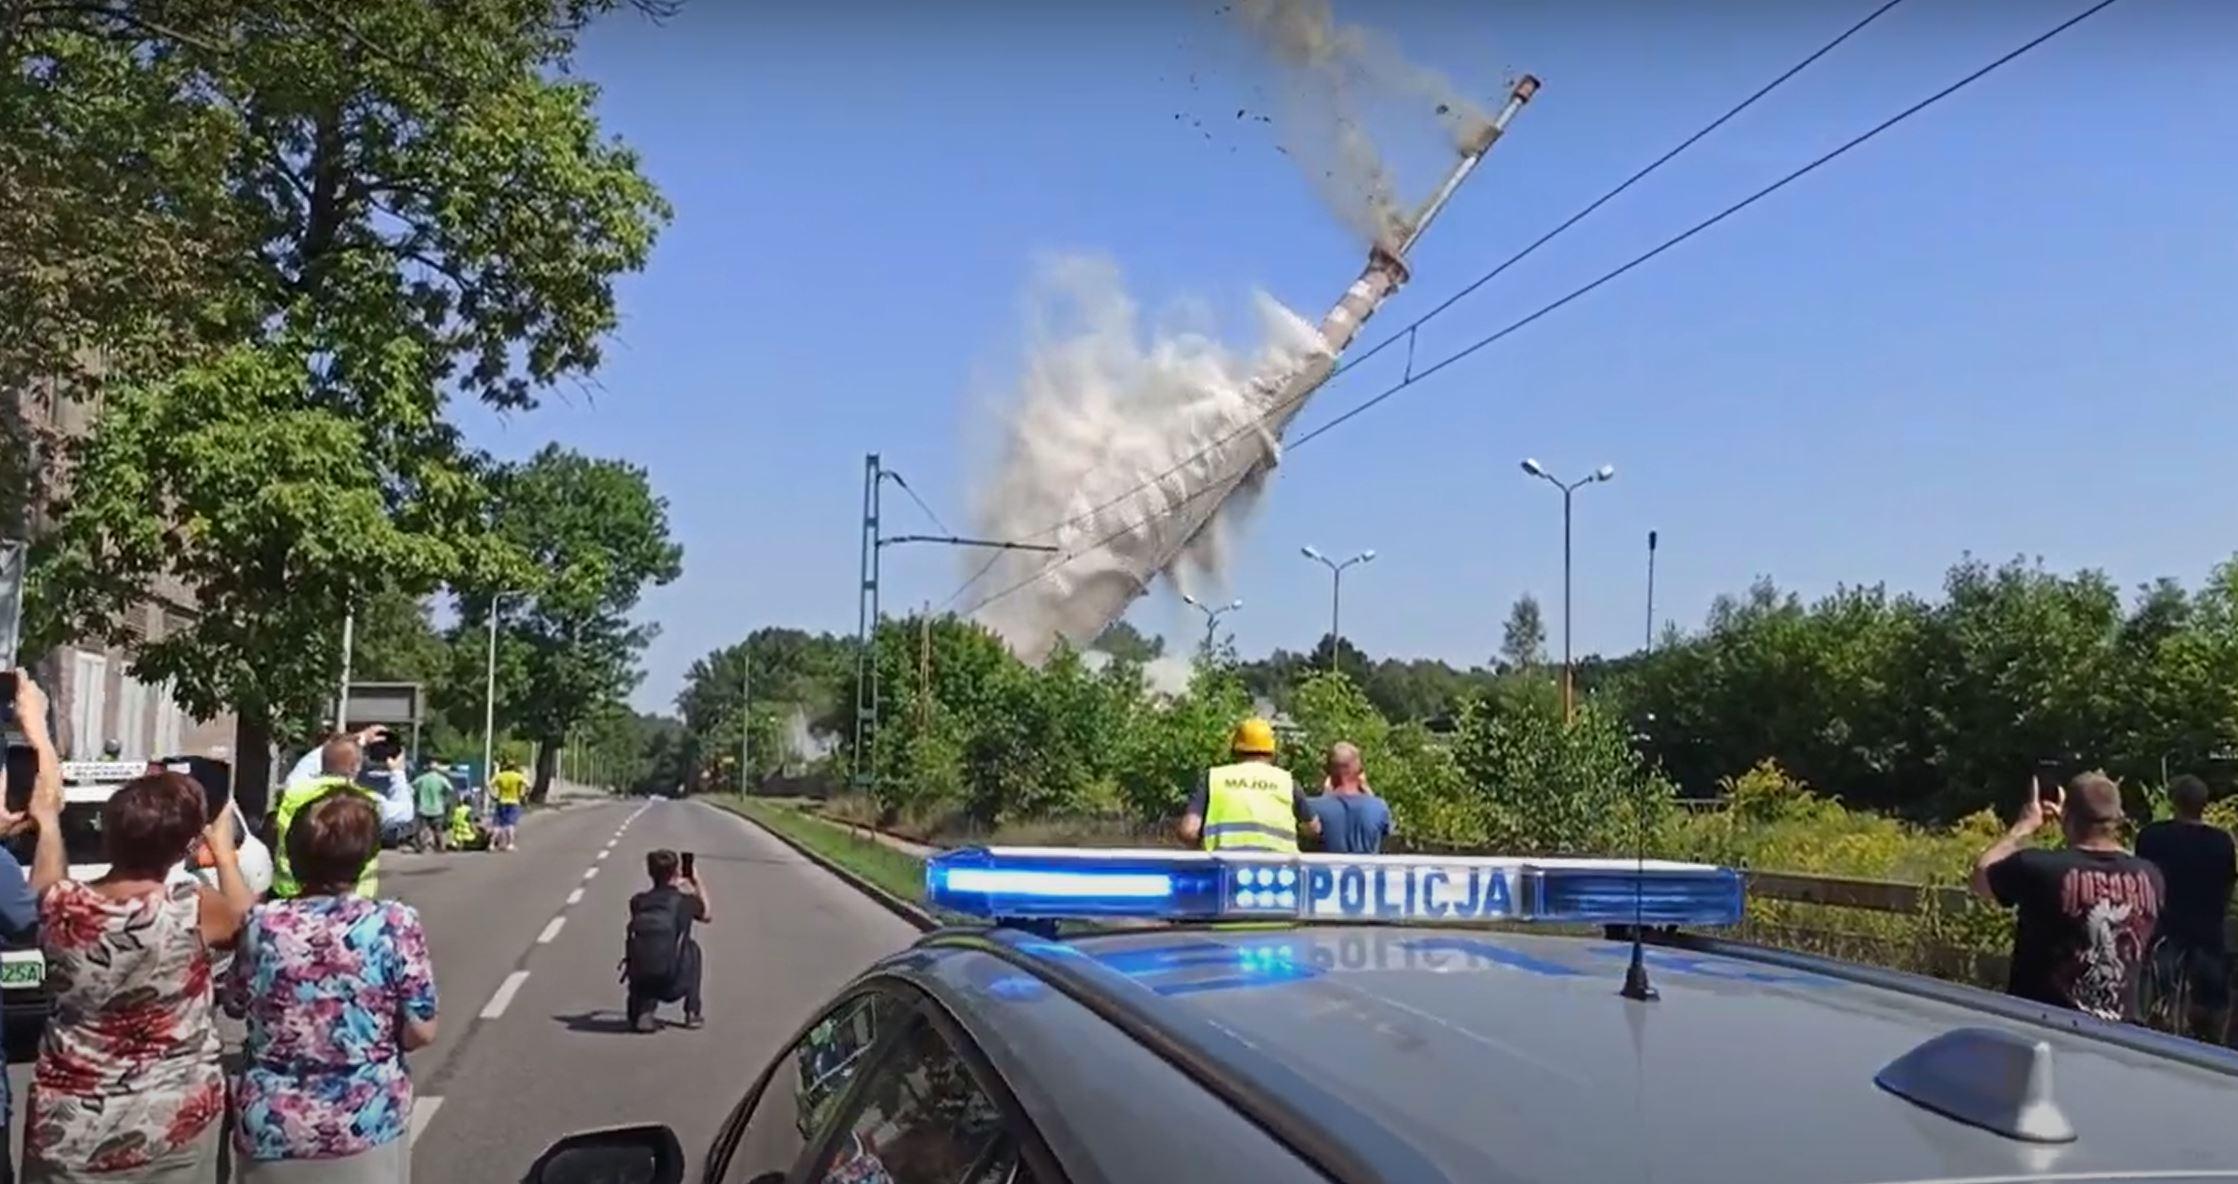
column 2116, row 911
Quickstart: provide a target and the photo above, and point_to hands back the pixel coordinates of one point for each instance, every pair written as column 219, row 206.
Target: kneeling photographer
column 660, row 961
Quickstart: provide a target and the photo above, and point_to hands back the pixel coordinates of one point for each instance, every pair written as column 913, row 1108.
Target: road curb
column 916, row 916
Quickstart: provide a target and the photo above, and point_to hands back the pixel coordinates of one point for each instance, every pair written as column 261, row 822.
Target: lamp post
column 1604, row 473
column 1336, row 592
column 489, row 693
column 1212, row 615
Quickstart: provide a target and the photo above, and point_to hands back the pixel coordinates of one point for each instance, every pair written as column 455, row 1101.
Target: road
column 532, row 1043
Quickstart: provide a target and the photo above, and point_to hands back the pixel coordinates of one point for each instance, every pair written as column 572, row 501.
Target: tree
column 278, row 238
column 275, row 514
column 1523, row 641
column 1128, row 644
column 792, row 672
column 598, row 537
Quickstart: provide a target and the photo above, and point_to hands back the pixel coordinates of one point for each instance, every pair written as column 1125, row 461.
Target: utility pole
column 875, row 476
column 746, row 710
column 1651, row 591
column 489, row 697
column 866, row 626
column 349, row 643
column 924, row 668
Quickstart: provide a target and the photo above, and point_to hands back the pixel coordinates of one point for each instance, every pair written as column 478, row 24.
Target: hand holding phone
column 691, row 871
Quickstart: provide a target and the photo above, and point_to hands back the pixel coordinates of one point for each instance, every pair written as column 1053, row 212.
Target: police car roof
column 1471, row 1054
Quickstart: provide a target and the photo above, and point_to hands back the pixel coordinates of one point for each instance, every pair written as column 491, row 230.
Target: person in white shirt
column 394, row 787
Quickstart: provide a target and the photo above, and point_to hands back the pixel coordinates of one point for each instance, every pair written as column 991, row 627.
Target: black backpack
column 656, row 941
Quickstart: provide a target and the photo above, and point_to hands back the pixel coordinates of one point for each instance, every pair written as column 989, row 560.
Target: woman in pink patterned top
column 128, row 1086
column 336, row 988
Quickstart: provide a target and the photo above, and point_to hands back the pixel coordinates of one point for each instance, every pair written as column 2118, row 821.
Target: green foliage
column 276, row 239
column 597, row 537
column 1935, row 710
column 237, row 480
column 1543, row 787
column 1128, row 644
column 1523, row 639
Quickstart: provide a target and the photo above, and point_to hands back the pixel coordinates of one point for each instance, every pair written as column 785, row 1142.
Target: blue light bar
column 1046, row 882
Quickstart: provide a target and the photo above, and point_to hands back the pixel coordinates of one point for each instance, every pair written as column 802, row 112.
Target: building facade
column 97, row 703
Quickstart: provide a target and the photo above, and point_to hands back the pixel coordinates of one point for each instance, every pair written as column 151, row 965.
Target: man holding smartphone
column 2087, row 912
column 660, row 961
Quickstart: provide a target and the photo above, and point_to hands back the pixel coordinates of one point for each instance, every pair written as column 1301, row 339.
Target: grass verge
column 896, row 872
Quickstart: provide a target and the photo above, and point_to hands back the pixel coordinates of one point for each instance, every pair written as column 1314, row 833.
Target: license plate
column 22, row 968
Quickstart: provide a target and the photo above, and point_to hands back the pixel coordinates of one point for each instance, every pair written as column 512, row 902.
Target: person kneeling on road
column 661, row 962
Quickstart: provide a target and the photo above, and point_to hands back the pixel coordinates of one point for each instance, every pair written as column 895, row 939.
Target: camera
column 7, row 703
column 383, row 748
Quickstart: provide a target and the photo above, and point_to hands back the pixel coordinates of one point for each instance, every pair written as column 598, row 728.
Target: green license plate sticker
column 26, row 969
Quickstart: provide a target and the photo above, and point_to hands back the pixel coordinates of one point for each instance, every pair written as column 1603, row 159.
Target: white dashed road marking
column 423, row 1112
column 575, row 897
column 550, row 931
column 591, row 874
column 603, row 854
column 504, row 997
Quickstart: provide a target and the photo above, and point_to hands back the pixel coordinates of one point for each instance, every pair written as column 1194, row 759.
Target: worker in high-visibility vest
column 1249, row 804
column 338, row 762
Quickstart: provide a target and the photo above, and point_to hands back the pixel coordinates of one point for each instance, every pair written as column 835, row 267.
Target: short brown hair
column 151, row 822
column 331, row 840
column 661, row 865
column 2093, row 801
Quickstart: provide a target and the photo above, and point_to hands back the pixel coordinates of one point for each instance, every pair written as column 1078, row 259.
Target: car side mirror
column 647, row 1154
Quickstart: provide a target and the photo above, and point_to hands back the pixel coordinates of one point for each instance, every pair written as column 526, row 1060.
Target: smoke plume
column 1150, row 449
column 1332, row 75
column 1102, row 412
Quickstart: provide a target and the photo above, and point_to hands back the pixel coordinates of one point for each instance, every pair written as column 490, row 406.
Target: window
column 167, row 715
column 132, row 719
column 89, row 703
column 772, row 1129
column 922, row 1119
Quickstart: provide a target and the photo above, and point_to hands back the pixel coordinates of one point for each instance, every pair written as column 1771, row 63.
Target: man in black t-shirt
column 661, row 963
column 2200, row 864
column 2087, row 913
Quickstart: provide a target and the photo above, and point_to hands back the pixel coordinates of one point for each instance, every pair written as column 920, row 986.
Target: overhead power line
column 897, row 479
column 1584, row 289
column 1408, row 330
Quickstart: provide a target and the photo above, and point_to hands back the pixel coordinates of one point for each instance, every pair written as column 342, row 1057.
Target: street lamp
column 1604, row 473
column 489, row 692
column 1212, row 615
column 1336, row 591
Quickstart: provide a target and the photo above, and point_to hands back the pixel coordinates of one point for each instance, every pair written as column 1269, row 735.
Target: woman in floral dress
column 128, row 1085
column 335, row 988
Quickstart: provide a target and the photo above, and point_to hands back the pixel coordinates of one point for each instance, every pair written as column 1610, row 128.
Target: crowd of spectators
column 2115, row 933
column 333, row 983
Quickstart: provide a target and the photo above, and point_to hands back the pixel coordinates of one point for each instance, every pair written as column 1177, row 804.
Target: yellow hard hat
column 1254, row 737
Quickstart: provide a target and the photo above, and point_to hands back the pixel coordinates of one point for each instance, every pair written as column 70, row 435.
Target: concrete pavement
column 533, row 1044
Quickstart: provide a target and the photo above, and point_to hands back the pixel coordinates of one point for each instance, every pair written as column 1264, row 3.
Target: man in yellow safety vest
column 339, row 759
column 1250, row 804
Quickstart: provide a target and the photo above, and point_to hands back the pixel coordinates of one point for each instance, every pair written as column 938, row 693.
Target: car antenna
column 1636, row 985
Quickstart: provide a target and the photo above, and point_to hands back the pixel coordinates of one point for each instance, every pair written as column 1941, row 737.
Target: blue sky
column 2005, row 327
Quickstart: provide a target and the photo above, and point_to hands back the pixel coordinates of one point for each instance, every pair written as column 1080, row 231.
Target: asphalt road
column 532, row 1044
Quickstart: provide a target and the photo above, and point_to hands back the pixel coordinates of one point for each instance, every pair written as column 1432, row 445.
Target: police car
column 1317, row 1018
column 87, row 787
